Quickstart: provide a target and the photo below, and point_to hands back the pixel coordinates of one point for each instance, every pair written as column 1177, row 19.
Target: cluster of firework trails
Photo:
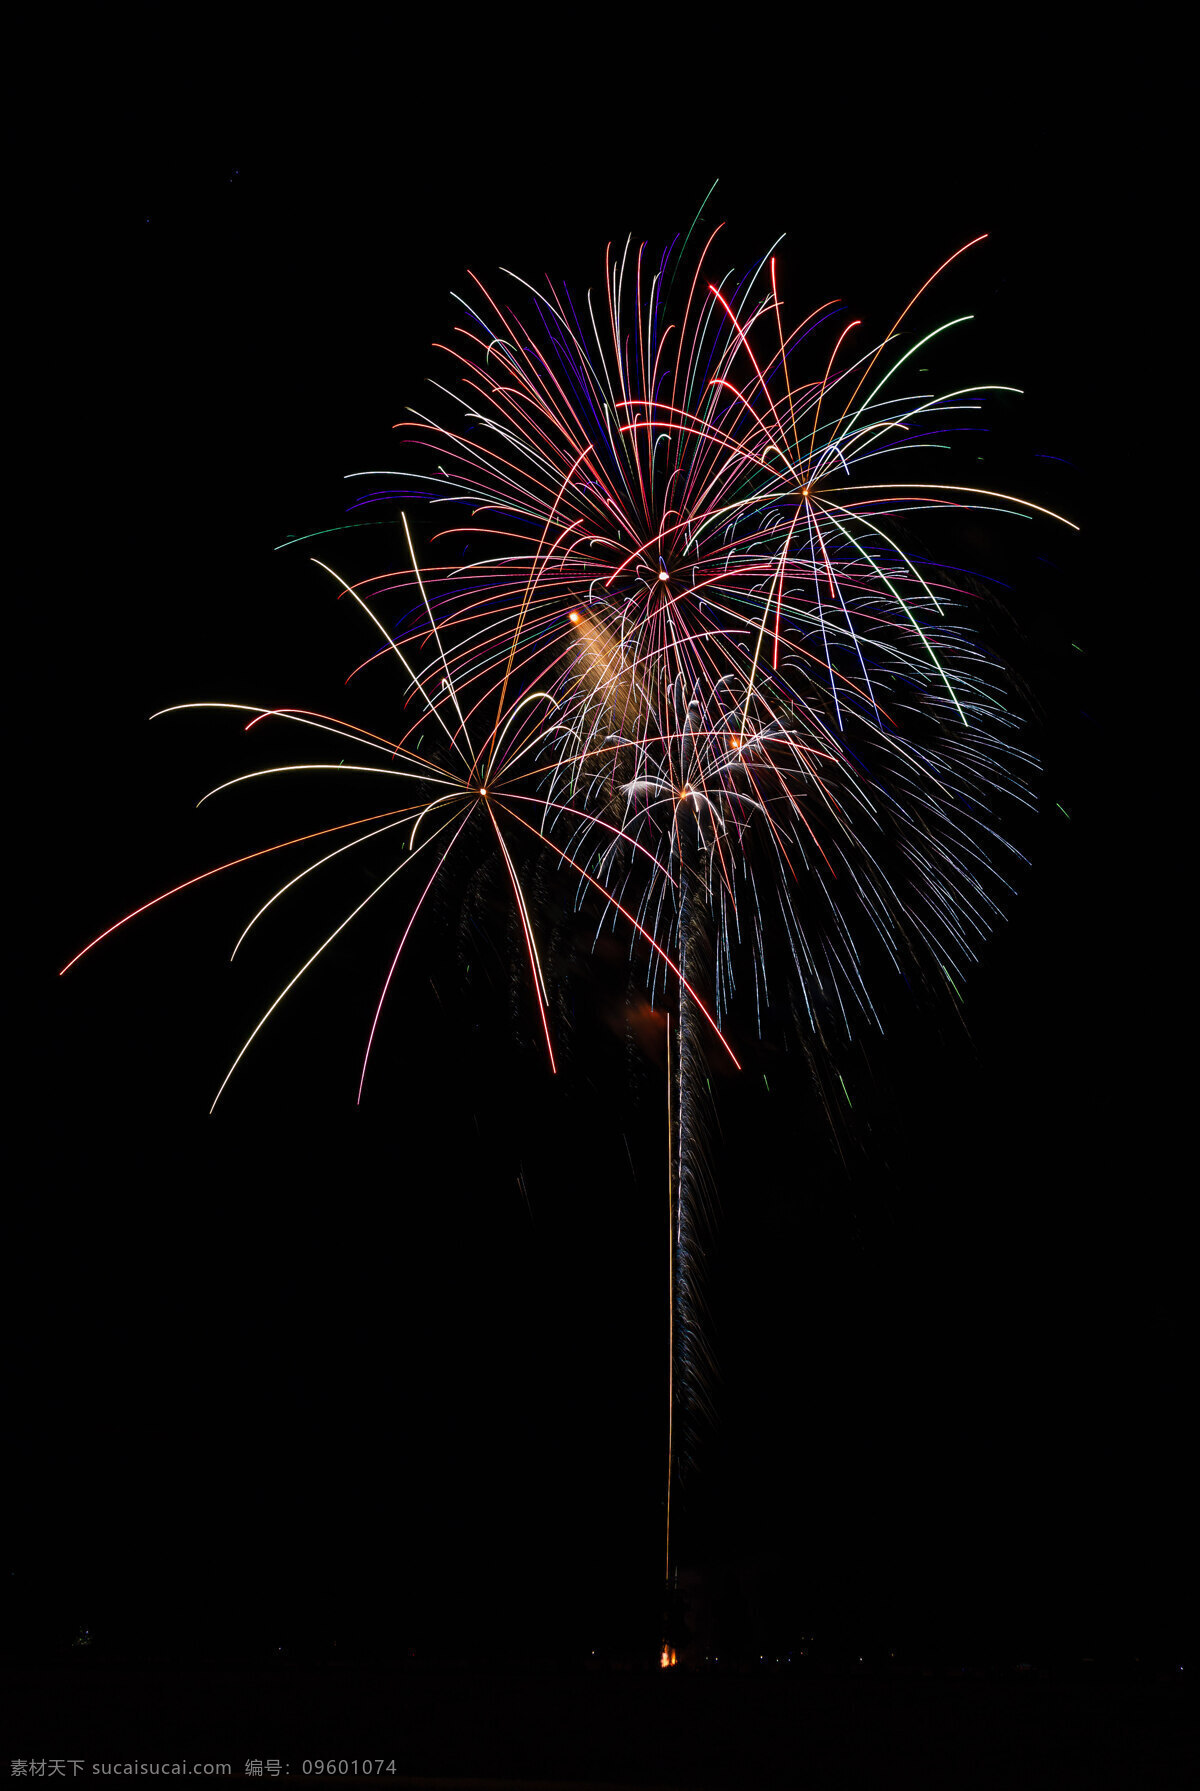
column 685, row 646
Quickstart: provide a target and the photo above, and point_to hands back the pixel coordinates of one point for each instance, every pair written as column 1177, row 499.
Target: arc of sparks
column 230, row 864
column 971, row 491
column 309, row 962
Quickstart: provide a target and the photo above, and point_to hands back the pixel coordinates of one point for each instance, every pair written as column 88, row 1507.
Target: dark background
column 393, row 1377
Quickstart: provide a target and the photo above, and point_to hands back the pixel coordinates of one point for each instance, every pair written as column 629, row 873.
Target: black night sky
column 304, row 1375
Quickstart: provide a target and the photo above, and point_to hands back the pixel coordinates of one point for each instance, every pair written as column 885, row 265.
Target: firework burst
column 451, row 795
column 692, row 540
column 681, row 638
